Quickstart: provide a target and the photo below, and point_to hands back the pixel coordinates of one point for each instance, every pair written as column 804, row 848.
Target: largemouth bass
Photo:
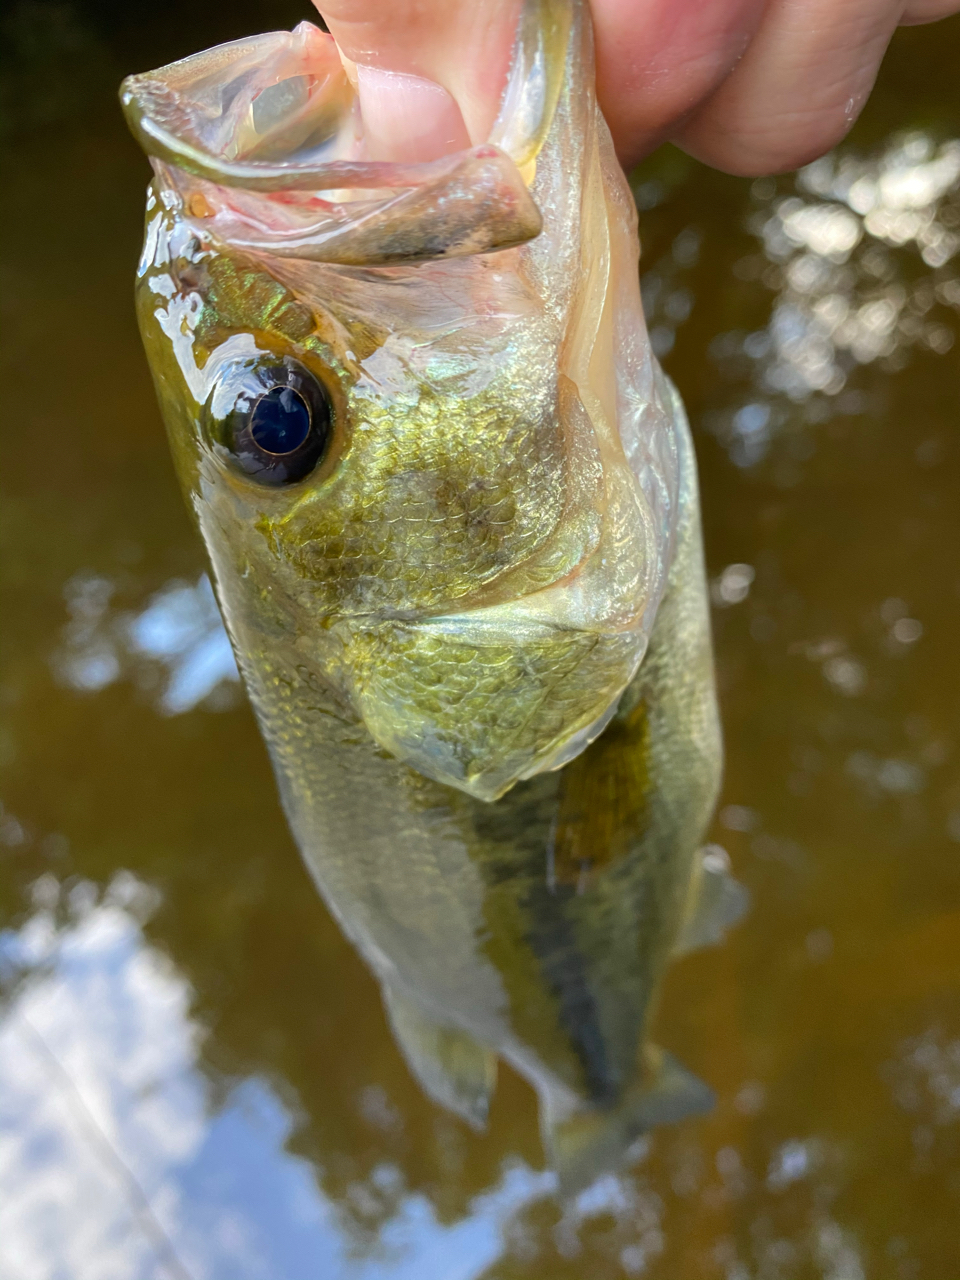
column 450, row 504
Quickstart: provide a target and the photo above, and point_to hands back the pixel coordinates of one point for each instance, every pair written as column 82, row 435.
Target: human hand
column 749, row 86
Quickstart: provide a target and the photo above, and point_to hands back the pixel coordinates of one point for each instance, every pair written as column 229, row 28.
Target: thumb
column 429, row 73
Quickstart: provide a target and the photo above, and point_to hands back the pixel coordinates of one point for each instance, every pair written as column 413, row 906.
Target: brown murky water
column 196, row 1077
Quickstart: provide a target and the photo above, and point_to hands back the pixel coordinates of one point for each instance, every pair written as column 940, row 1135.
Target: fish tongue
column 429, row 76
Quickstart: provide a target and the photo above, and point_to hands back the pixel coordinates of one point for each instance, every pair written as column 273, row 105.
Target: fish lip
column 473, row 201
column 169, row 110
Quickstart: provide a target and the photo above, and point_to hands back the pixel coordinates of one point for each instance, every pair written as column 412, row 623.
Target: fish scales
column 451, row 511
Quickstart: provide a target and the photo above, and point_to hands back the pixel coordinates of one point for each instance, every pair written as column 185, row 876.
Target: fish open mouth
column 263, row 139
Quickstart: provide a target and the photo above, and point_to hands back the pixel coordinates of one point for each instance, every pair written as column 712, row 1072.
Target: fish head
column 397, row 412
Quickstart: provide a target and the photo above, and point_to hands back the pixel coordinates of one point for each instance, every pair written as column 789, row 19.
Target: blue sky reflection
column 114, row 1165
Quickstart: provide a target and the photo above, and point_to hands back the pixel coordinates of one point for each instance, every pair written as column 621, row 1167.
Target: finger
column 407, row 118
column 463, row 47
column 798, row 88
column 659, row 59
column 918, row 11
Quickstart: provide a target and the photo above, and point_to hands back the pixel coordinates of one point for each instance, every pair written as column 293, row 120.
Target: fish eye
column 280, row 422
column 274, row 418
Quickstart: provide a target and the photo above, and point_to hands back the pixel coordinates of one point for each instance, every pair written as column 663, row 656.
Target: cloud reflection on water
column 176, row 646
column 113, row 1162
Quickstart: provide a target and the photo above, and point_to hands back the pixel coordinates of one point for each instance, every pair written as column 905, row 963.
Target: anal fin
column 453, row 1069
column 717, row 902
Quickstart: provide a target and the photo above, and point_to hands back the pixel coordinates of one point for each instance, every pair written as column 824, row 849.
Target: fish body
column 451, row 509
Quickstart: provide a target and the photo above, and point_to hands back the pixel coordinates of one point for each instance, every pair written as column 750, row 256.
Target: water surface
column 196, row 1076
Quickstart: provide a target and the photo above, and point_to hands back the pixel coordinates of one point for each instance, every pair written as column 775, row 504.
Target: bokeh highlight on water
column 196, row 1078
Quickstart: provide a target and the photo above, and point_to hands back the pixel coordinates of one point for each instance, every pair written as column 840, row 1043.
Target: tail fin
column 451, row 1067
column 582, row 1146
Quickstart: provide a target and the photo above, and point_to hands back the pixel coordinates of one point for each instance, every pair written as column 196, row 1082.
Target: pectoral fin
column 451, row 1067
column 717, row 902
column 587, row 1144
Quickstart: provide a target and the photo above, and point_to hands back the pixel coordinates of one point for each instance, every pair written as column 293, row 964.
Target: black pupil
column 280, row 421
